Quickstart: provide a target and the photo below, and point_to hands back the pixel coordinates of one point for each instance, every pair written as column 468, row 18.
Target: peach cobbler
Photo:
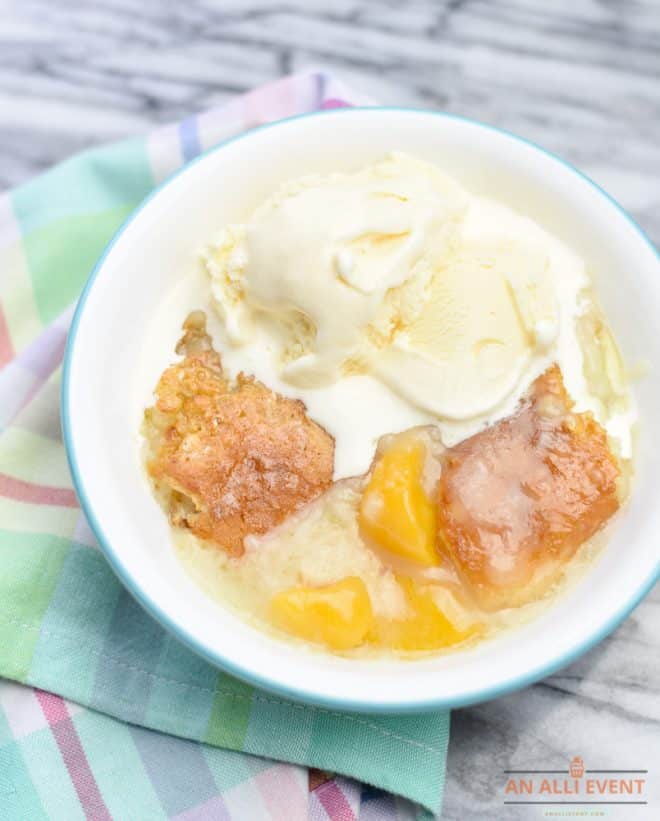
column 410, row 425
column 231, row 459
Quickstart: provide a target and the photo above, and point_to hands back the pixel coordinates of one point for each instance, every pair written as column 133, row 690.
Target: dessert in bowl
column 395, row 448
column 426, row 448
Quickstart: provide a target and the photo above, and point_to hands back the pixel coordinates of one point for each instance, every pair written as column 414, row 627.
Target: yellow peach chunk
column 426, row 627
column 338, row 615
column 395, row 513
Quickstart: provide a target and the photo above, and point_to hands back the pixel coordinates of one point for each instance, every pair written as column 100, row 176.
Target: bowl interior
column 128, row 322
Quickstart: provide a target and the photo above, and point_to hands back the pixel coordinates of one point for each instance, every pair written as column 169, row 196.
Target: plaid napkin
column 66, row 624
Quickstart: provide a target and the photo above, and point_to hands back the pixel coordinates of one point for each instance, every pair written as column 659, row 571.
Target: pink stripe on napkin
column 6, row 349
column 22, row 491
column 62, row 727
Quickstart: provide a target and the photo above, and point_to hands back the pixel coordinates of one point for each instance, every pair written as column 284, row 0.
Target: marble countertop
column 582, row 78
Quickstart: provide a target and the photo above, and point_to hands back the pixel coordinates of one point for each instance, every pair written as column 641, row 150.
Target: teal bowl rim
column 473, row 696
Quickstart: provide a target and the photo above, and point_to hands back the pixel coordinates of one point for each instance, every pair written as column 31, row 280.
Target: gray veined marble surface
column 581, row 77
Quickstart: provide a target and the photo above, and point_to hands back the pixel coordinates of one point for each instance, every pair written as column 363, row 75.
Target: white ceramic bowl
column 117, row 348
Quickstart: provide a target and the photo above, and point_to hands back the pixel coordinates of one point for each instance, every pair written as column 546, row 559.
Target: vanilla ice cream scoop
column 490, row 306
column 392, row 297
column 337, row 263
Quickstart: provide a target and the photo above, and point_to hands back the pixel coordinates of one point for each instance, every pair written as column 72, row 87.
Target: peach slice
column 396, row 515
column 426, row 627
column 338, row 615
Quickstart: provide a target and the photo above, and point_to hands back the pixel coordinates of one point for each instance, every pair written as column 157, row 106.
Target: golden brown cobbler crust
column 230, row 459
column 518, row 499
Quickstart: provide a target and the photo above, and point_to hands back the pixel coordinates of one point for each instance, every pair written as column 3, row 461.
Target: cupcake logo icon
column 576, row 767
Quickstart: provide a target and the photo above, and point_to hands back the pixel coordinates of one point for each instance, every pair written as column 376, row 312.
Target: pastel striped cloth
column 66, row 625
